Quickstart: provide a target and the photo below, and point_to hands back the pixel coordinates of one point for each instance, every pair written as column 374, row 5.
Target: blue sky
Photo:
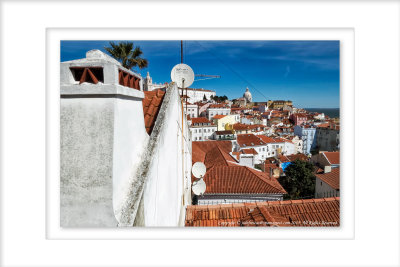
column 306, row 72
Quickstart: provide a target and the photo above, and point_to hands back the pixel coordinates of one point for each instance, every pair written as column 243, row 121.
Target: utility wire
column 231, row 69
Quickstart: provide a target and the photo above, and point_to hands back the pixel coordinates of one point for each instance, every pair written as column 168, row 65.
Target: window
column 89, row 75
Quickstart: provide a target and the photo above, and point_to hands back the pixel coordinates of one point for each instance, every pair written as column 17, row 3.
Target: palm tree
column 127, row 54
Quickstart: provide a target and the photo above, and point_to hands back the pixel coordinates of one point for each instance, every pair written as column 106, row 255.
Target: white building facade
column 192, row 110
column 202, row 129
column 148, row 84
column 212, row 111
column 197, row 95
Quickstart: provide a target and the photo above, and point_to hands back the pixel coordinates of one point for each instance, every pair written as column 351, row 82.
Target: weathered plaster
column 158, row 190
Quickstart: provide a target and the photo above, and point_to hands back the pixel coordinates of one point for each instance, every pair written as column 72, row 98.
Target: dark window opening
column 89, row 74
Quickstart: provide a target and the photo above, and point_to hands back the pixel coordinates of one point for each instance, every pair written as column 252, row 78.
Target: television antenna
column 182, row 75
column 198, row 170
column 206, row 77
column 199, row 187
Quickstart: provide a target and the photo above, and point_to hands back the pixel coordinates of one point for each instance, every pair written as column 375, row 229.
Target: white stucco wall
column 130, row 140
column 86, row 158
column 167, row 190
column 262, row 151
column 102, row 140
column 86, row 121
column 322, row 189
column 246, row 160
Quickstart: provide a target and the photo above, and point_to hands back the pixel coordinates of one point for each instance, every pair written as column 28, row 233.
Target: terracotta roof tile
column 240, row 126
column 151, row 105
column 219, row 116
column 310, row 212
column 200, row 148
column 224, row 132
column 266, row 139
column 331, row 178
column 240, row 180
column 333, row 157
column 200, row 120
column 218, row 106
column 249, row 140
column 249, row 151
column 218, row 157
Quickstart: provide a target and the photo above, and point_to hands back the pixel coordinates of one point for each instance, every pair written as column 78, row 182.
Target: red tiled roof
column 240, row 126
column 324, row 125
column 224, row 132
column 280, row 140
column 283, row 158
column 249, row 140
column 217, row 157
column 300, row 115
column 333, row 157
column 257, row 126
column 240, row 180
column 236, row 155
column 303, row 212
column 218, row 116
column 200, row 148
column 266, row 139
column 249, row 151
column 200, row 120
column 218, row 106
column 151, row 105
column 331, row 178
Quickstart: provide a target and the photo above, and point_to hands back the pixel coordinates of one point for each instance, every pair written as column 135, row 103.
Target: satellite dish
column 199, row 169
column 199, row 187
column 182, row 75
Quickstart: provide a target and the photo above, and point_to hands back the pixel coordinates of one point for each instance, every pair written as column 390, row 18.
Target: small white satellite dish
column 199, row 169
column 199, row 187
column 183, row 75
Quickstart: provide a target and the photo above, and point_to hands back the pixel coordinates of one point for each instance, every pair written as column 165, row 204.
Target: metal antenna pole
column 181, row 52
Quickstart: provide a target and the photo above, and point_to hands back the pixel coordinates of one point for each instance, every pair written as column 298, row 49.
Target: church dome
column 247, row 95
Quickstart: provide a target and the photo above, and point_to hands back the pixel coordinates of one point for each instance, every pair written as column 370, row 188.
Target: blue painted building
column 307, row 134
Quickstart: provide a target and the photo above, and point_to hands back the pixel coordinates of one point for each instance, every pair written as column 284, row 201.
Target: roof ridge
column 220, row 152
column 269, row 182
column 323, row 153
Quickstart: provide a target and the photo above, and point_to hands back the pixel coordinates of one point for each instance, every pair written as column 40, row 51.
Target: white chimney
column 327, row 169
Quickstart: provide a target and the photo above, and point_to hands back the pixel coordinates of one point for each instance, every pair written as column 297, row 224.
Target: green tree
column 220, row 98
column 127, row 54
column 204, row 97
column 299, row 181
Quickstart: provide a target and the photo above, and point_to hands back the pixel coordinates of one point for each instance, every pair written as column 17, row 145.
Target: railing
column 128, row 80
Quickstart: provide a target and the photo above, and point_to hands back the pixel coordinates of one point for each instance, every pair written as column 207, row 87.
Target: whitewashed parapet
column 102, row 137
column 101, row 68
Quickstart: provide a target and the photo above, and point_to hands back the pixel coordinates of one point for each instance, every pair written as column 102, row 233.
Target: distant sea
column 331, row 112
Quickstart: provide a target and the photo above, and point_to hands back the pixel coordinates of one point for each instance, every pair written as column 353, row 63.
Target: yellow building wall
column 225, row 123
